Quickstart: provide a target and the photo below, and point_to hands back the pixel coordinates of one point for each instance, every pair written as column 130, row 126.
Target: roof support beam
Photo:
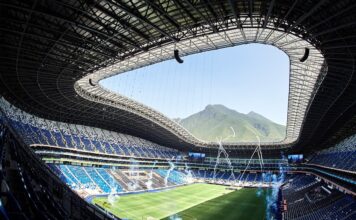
column 268, row 13
column 211, row 10
column 213, row 27
column 191, row 17
column 306, row 15
column 300, row 20
column 235, row 12
column 163, row 13
column 74, row 23
column 110, row 30
column 125, row 24
column 130, row 12
column 250, row 6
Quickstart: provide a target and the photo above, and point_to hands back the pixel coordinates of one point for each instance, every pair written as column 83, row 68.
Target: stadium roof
column 54, row 52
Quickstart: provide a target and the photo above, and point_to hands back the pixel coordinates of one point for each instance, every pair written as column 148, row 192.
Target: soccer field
column 198, row 201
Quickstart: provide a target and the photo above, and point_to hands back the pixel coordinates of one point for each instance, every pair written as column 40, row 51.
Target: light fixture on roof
column 177, row 57
column 91, row 82
column 305, row 56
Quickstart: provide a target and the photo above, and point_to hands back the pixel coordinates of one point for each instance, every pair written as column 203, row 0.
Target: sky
column 250, row 77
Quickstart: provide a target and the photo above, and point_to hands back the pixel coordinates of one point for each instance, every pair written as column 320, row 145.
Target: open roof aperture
column 303, row 80
column 246, row 78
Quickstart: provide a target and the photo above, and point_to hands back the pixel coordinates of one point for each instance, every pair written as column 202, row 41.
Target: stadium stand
column 104, row 181
column 341, row 156
column 175, row 177
column 226, row 176
column 300, row 192
column 307, row 198
column 68, row 139
column 27, row 195
column 40, row 131
column 79, row 177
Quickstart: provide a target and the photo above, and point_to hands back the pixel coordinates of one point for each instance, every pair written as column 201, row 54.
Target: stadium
column 72, row 149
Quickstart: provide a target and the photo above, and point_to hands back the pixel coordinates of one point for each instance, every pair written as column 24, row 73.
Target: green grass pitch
column 197, row 201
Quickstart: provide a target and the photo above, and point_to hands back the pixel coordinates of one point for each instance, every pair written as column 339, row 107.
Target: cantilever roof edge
column 304, row 79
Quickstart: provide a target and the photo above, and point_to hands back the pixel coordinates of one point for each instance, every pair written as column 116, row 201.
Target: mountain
column 215, row 121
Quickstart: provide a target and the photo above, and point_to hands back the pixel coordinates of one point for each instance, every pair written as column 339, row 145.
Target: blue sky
column 252, row 77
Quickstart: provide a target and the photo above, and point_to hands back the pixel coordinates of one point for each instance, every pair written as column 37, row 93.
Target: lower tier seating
column 306, row 198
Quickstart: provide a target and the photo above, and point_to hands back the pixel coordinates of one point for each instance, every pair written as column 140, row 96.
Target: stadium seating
column 36, row 130
column 306, row 197
column 227, row 175
column 98, row 180
column 309, row 199
column 78, row 177
column 341, row 156
column 109, row 180
column 175, row 177
column 19, row 186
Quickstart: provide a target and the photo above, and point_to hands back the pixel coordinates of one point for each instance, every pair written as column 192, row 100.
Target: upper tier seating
column 341, row 156
column 36, row 130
